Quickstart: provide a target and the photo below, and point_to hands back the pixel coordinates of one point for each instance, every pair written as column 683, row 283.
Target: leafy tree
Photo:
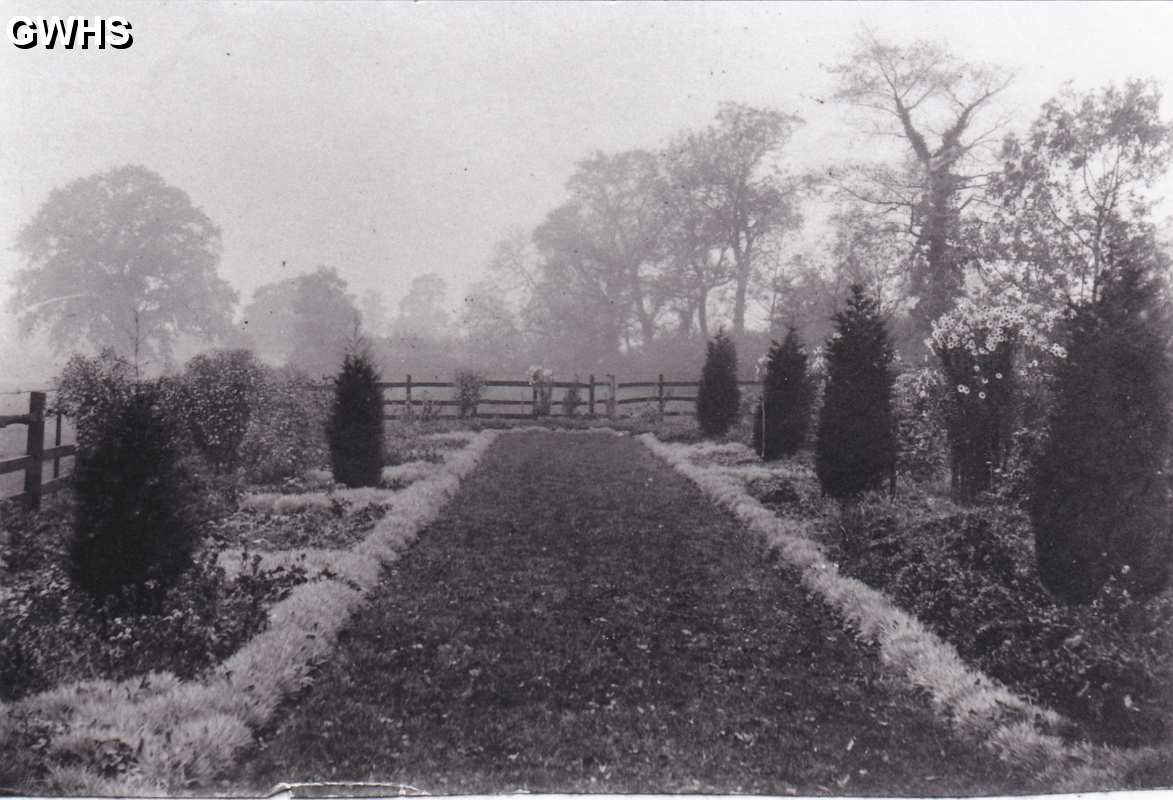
column 856, row 446
column 1100, row 505
column 355, row 429
column 924, row 95
column 133, row 529
column 222, row 389
column 783, row 414
column 1079, row 187
column 121, row 259
column 718, row 398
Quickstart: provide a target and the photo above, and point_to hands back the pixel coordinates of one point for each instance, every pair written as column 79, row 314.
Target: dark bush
column 222, row 391
column 1100, row 505
column 134, row 531
column 782, row 416
column 718, row 398
column 355, row 431
column 856, row 445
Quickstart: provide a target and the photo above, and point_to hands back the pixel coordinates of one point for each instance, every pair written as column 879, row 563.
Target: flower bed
column 978, row 706
column 158, row 733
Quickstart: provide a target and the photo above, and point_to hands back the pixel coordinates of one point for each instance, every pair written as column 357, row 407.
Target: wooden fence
column 594, row 397
column 36, row 454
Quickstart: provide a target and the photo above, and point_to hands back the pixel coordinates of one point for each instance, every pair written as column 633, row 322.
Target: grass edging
column 978, row 707
column 183, row 734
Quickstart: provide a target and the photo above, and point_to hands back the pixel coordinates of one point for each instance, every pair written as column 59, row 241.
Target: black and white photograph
column 586, row 398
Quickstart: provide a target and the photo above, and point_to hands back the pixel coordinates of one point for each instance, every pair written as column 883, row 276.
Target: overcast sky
column 393, row 139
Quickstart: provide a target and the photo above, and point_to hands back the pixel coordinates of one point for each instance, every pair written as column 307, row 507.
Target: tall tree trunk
column 702, row 313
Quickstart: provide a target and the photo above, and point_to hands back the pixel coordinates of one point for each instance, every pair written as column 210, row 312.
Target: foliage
column 50, row 633
column 222, row 393
column 355, row 429
column 572, row 399
column 120, row 259
column 718, row 397
column 133, row 532
column 969, row 577
column 782, row 417
column 92, row 389
column 856, row 445
column 977, row 346
column 286, row 430
column 1100, row 506
column 421, row 311
column 470, row 386
column 1079, row 186
column 920, row 398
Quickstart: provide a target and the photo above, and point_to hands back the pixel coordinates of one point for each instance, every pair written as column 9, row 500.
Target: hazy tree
column 604, row 244
column 422, row 311
column 374, row 312
column 490, row 330
column 306, row 321
column 934, row 102
column 121, row 259
column 1076, row 190
column 733, row 183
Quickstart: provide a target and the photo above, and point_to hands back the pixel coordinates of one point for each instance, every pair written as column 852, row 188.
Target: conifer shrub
column 782, row 416
column 355, row 429
column 1100, row 505
column 134, row 528
column 222, row 390
column 856, row 445
column 718, row 398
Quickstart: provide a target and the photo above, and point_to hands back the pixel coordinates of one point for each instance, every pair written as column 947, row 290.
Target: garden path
column 580, row 618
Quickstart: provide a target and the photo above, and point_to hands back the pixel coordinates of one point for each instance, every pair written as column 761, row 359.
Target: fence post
column 612, row 406
column 35, row 448
column 407, row 411
column 660, row 393
column 533, row 400
column 57, row 443
column 591, row 395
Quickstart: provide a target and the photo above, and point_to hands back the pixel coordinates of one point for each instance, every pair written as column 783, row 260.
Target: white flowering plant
column 977, row 344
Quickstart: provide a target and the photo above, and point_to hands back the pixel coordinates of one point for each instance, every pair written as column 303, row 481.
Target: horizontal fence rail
column 36, row 454
column 413, row 397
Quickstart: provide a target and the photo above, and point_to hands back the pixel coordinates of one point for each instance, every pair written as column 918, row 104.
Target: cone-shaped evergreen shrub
column 355, row 429
column 1100, row 505
column 133, row 528
column 718, row 398
column 856, row 445
column 782, row 416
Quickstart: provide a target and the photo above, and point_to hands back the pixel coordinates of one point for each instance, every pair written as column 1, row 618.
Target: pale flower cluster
column 540, row 375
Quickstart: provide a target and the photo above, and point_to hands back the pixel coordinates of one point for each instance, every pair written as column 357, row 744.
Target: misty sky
column 393, row 139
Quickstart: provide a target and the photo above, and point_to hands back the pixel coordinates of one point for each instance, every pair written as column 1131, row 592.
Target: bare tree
column 936, row 105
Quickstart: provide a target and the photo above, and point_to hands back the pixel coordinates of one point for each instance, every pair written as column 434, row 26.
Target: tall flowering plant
column 541, row 380
column 977, row 344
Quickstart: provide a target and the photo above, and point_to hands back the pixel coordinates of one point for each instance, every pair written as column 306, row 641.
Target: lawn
column 581, row 618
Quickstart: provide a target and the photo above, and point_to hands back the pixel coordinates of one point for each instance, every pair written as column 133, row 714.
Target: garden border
column 189, row 732
column 978, row 707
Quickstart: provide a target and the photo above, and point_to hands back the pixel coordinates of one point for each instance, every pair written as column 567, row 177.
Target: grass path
column 580, row 618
